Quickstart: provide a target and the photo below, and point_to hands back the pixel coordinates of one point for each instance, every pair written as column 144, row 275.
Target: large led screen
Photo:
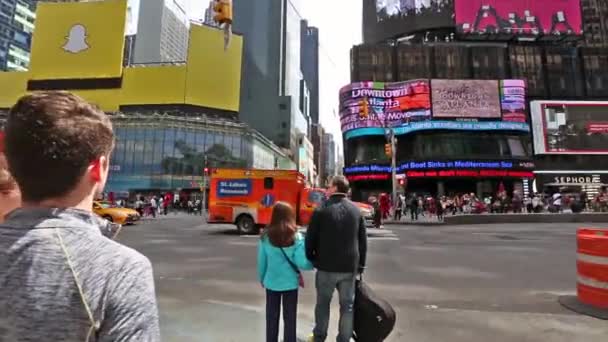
column 383, row 19
column 519, row 17
column 433, row 104
column 465, row 99
column 570, row 127
column 513, row 100
column 389, row 104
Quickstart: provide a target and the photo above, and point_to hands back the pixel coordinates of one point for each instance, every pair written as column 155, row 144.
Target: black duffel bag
column 374, row 317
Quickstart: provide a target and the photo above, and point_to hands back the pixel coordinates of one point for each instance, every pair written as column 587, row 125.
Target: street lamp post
column 392, row 140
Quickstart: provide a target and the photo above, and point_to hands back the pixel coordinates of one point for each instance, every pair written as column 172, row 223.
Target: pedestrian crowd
column 63, row 277
column 154, row 205
column 415, row 206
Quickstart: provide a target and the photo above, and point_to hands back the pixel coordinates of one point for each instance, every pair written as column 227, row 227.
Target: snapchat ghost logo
column 76, row 39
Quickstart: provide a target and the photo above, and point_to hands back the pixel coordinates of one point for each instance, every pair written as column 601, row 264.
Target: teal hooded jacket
column 274, row 271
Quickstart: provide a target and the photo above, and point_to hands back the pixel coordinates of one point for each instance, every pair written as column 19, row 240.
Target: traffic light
column 364, row 108
column 402, row 182
column 223, row 11
column 206, row 171
column 388, row 150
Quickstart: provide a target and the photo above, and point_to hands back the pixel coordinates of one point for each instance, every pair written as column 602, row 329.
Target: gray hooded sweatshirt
column 40, row 298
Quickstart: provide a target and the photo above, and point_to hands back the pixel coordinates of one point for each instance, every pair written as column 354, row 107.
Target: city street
column 467, row 283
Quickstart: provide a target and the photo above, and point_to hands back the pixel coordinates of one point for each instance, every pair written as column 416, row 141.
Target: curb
column 414, row 223
column 572, row 303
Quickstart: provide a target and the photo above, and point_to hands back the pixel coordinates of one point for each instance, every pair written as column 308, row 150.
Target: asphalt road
column 462, row 284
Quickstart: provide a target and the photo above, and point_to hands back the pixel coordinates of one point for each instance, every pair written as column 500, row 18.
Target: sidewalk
column 486, row 218
column 422, row 221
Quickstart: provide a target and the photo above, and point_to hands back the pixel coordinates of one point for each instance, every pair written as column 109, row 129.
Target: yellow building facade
column 79, row 47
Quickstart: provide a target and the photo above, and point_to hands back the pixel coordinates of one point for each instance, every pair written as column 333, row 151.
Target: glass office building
column 161, row 152
column 158, row 152
column 16, row 27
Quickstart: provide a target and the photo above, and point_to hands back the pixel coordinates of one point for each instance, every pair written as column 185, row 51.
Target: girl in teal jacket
column 281, row 257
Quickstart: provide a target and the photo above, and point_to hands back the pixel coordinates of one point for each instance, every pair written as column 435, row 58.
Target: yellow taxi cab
column 114, row 214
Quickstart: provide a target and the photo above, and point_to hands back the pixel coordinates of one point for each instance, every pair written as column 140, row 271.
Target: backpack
column 374, row 317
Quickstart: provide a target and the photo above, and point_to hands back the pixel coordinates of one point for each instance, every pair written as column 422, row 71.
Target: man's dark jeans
column 326, row 283
column 273, row 313
column 414, row 214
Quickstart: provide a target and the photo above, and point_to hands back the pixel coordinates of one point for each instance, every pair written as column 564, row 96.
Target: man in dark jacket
column 336, row 243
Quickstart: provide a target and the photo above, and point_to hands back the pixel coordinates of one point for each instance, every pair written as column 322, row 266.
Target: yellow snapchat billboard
column 214, row 74
column 78, row 40
column 84, row 40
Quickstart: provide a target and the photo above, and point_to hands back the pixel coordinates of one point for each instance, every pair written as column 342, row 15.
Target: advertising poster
column 388, row 104
column 465, row 99
column 519, row 17
column 388, row 18
column 570, row 127
column 387, row 9
column 513, row 100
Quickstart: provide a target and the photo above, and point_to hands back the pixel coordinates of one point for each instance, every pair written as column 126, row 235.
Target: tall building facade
column 316, row 136
column 550, row 61
column 162, row 32
column 329, row 157
column 309, row 58
column 271, row 86
column 595, row 15
column 16, row 27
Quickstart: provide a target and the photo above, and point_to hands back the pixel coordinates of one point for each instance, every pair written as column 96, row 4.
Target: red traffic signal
column 206, row 171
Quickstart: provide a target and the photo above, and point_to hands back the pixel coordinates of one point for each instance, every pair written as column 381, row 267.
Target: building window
column 268, row 183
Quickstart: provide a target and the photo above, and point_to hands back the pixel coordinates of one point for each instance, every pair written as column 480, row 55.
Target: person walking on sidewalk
column 281, row 256
column 399, row 208
column 414, row 207
column 336, row 244
column 60, row 278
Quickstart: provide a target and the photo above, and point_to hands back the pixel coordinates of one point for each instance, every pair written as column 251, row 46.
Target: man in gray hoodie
column 60, row 278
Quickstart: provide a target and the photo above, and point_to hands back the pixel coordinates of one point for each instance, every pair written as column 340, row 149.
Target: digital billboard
column 513, row 100
column 465, row 99
column 442, row 125
column 518, row 17
column 417, row 105
column 570, row 127
column 443, row 169
column 389, row 104
column 77, row 40
column 383, row 19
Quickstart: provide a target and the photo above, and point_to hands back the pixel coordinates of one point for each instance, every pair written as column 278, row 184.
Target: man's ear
column 96, row 168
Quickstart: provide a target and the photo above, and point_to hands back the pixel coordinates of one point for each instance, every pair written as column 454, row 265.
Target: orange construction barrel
column 592, row 274
column 592, row 267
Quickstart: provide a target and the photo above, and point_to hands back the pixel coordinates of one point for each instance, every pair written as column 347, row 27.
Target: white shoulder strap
column 94, row 325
